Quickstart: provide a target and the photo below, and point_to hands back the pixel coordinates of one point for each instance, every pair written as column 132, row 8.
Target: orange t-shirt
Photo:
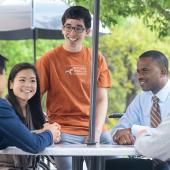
column 66, row 78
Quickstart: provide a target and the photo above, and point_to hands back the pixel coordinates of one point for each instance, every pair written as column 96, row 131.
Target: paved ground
column 53, row 168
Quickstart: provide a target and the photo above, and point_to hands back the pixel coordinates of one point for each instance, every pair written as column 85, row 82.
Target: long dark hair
column 34, row 103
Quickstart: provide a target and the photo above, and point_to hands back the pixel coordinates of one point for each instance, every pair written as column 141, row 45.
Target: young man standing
column 65, row 76
column 157, row 140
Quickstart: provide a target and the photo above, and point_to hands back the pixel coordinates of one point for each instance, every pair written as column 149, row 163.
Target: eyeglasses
column 77, row 29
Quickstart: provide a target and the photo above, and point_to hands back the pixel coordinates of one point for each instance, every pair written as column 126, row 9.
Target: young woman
column 24, row 98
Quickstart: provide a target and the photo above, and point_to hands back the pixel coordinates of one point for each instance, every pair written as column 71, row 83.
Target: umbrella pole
column 34, row 44
column 95, row 39
column 34, row 33
column 93, row 161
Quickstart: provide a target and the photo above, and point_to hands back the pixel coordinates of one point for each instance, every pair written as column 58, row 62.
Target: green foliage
column 15, row 51
column 156, row 14
column 22, row 51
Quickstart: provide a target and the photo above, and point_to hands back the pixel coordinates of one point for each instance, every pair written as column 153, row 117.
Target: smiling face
column 24, row 85
column 150, row 75
column 73, row 37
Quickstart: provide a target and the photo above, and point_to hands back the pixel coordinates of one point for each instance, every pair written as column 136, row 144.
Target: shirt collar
column 164, row 92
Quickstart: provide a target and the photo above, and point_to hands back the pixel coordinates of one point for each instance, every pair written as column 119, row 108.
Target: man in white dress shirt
column 154, row 143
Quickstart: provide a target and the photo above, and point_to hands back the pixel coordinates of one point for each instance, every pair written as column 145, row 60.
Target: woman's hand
column 55, row 130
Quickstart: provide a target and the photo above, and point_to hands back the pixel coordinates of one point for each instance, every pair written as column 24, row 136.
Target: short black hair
column 77, row 12
column 157, row 56
column 2, row 63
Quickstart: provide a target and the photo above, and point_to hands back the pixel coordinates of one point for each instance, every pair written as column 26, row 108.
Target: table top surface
column 78, row 150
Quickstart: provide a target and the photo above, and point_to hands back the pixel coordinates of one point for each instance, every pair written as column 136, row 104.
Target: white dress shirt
column 155, row 143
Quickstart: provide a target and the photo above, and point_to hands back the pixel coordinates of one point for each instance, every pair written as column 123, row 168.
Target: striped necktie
column 155, row 112
column 155, row 121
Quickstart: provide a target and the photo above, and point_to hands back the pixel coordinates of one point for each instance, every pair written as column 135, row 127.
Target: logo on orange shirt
column 75, row 70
